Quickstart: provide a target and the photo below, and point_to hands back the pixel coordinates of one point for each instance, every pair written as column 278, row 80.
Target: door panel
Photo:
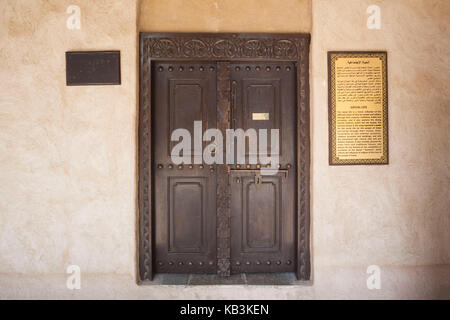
column 261, row 223
column 260, row 105
column 188, row 102
column 263, row 207
column 187, row 227
column 185, row 196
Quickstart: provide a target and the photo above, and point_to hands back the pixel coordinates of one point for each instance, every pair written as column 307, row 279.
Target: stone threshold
column 267, row 279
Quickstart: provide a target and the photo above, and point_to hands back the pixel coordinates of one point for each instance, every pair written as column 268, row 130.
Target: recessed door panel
column 261, row 97
column 187, row 103
column 187, row 205
column 260, row 105
column 261, row 223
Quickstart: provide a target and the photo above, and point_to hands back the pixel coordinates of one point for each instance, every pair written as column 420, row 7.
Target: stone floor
column 328, row 282
column 287, row 278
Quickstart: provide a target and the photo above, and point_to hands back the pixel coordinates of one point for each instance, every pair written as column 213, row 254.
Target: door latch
column 258, row 178
column 258, row 171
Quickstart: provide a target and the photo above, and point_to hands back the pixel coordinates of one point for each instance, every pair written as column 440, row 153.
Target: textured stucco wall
column 225, row 16
column 397, row 214
column 68, row 154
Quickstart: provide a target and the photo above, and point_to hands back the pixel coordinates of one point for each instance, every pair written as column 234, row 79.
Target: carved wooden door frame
column 224, row 47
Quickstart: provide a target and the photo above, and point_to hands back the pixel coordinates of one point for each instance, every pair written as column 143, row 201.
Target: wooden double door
column 223, row 218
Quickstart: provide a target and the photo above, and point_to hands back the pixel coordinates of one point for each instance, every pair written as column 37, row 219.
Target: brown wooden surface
column 223, row 184
column 263, row 214
column 184, row 196
column 230, row 47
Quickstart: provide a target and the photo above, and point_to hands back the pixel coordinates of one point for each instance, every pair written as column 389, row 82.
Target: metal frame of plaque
column 334, row 158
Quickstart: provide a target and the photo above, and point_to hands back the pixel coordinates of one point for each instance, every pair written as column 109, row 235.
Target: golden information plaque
column 358, row 111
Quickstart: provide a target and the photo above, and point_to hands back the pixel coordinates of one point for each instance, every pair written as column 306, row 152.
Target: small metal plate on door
column 260, row 116
column 92, row 68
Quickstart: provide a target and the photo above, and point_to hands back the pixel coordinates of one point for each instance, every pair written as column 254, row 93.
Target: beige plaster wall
column 225, row 16
column 68, row 154
column 397, row 214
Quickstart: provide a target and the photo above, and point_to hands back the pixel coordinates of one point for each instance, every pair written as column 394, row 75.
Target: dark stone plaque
column 92, row 68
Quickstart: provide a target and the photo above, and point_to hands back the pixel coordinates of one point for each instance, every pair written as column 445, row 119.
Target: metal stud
column 202, row 69
column 238, row 166
column 247, row 68
column 211, row 68
column 278, row 262
column 160, row 263
column 248, row 166
column 288, row 166
column 248, row 263
column 180, row 69
column 191, row 68
column 258, row 68
column 267, row 69
column 237, row 68
column 170, row 166
column 180, row 167
column 288, row 262
column 258, row 262
column 191, row 166
column 211, row 167
column 160, row 69
column 268, row 165
column 238, row 263
column 190, row 263
column 211, row 263
column 278, row 68
column 170, row 263
column 160, row 166
column 200, row 263
column 170, row 69
column 279, row 166
column 258, row 166
column 288, row 69
column 268, row 262
column 180, row 263
column 201, row 166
